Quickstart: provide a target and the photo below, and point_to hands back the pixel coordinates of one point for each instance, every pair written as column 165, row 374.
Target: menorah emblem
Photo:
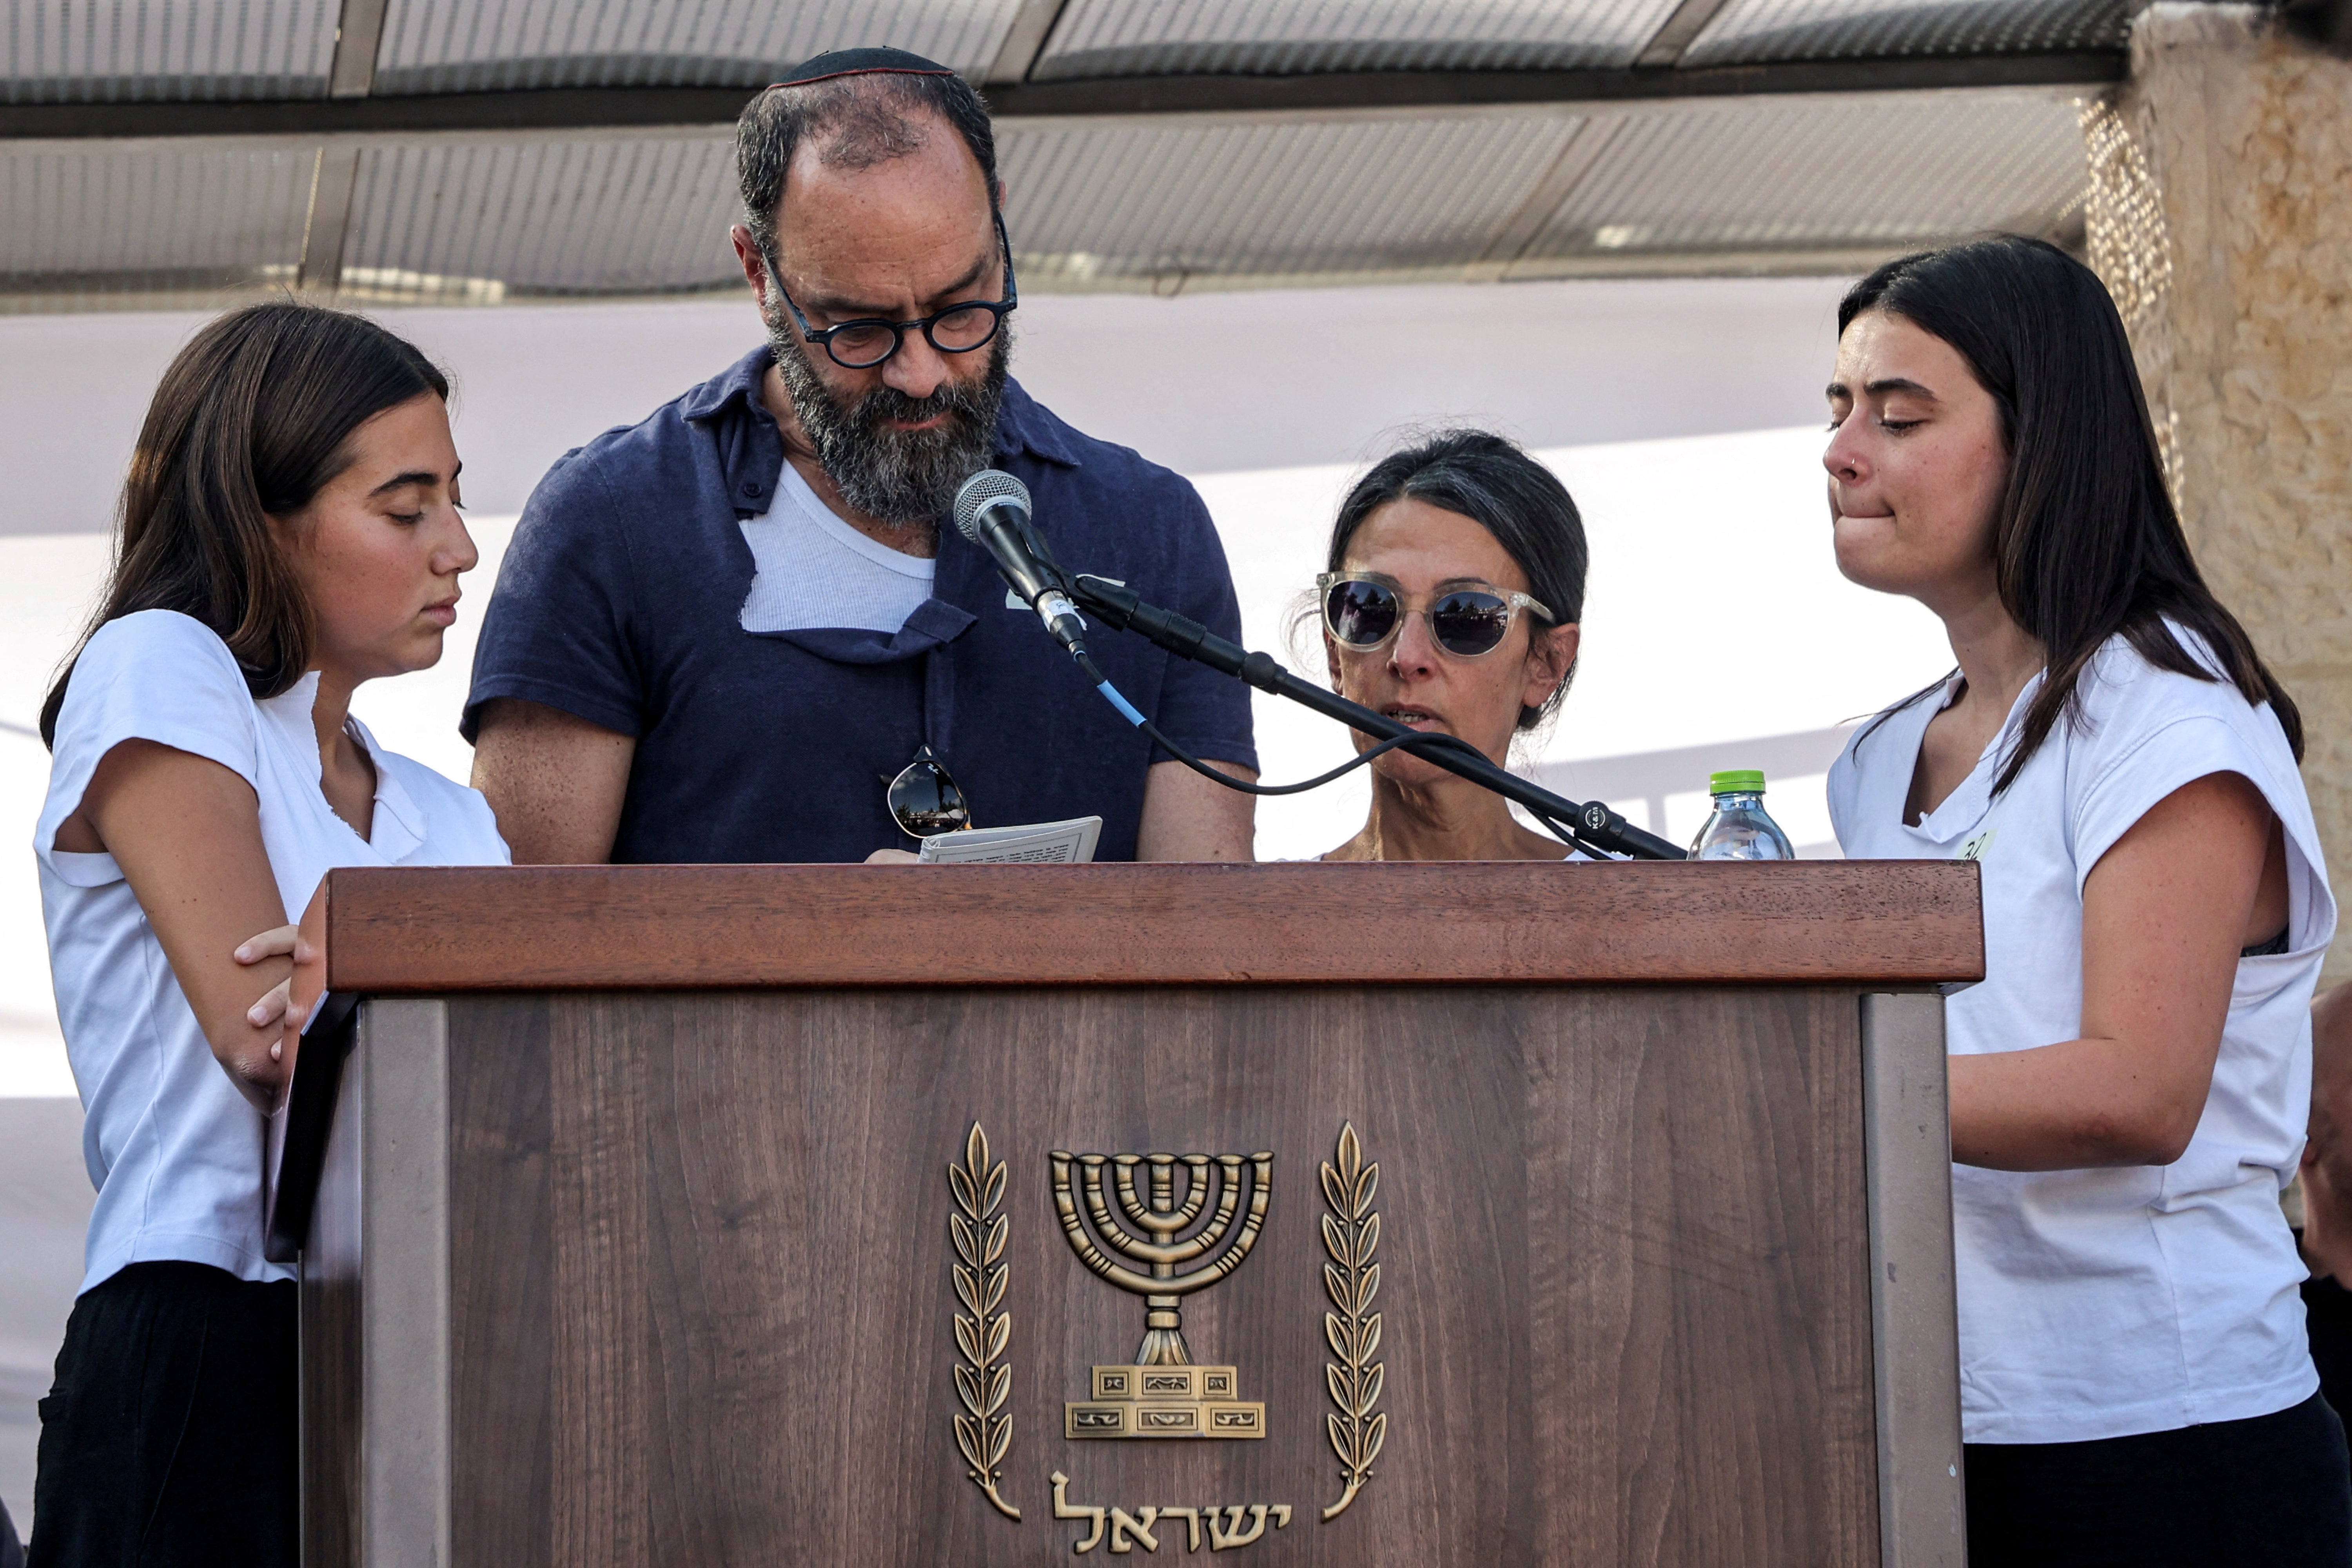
column 1176, row 1253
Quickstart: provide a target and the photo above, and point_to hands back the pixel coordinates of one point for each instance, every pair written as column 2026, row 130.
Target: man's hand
column 1187, row 818
column 555, row 782
column 280, row 941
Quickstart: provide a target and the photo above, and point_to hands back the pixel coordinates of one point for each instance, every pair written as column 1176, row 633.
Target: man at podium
column 722, row 632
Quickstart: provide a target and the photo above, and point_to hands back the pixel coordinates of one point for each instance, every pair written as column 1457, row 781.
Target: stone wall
column 2220, row 216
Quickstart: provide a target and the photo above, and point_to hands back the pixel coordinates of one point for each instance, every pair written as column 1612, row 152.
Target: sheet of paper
column 1070, row 843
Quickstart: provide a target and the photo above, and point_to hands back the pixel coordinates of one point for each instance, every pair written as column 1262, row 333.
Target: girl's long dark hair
column 251, row 421
column 2086, row 542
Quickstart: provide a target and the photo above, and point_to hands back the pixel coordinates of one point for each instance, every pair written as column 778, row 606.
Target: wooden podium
column 1377, row 1215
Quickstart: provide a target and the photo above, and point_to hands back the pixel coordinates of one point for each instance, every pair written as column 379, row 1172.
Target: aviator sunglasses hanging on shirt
column 1363, row 613
column 925, row 800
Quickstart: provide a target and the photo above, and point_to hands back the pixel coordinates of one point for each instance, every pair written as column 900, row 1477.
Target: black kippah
column 860, row 62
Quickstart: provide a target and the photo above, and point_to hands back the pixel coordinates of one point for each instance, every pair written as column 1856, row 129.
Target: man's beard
column 898, row 476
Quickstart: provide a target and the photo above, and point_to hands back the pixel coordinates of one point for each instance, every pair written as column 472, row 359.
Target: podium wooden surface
column 634, row 1239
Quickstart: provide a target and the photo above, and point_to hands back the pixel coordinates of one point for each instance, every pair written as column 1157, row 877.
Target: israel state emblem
column 1165, row 1226
column 1146, row 1237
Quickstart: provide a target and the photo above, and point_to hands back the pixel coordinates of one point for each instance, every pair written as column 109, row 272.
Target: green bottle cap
column 1743, row 781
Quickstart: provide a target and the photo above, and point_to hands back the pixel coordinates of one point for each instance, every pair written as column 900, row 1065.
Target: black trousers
column 2272, row 1491
column 170, row 1435
column 2327, row 1318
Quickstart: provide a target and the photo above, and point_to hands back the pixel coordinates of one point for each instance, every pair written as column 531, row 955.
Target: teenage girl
column 2128, row 1084
column 289, row 529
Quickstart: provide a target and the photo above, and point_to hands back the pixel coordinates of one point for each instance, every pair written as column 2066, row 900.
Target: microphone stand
column 1592, row 823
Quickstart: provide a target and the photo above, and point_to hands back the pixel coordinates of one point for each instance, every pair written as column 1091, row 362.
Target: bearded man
column 720, row 634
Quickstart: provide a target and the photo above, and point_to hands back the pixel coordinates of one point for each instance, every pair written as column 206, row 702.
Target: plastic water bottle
column 1740, row 831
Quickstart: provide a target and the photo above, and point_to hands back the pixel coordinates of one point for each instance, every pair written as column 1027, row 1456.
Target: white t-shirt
column 174, row 1151
column 815, row 570
column 2100, row 1303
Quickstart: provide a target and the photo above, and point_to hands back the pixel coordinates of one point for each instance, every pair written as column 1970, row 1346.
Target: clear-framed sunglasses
column 1363, row 612
column 924, row 798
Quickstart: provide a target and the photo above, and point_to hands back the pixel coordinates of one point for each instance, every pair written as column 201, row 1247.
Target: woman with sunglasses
column 1455, row 581
column 2129, row 1083
column 290, row 529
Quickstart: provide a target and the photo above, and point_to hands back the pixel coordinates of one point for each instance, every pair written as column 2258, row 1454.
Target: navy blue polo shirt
column 621, row 599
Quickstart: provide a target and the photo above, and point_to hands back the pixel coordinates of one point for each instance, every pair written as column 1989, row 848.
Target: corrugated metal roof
column 116, row 51
column 1137, row 203
column 1750, row 32
column 176, row 50
column 1132, row 37
column 474, row 45
column 1260, row 192
column 1732, row 184
column 170, row 217
column 480, row 222
column 1765, row 175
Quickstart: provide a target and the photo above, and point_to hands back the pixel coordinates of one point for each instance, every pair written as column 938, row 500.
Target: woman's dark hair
column 2087, row 544
column 1489, row 479
column 251, row 421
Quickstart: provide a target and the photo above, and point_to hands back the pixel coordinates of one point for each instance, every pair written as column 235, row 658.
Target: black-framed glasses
column 870, row 341
column 1363, row 612
column 925, row 800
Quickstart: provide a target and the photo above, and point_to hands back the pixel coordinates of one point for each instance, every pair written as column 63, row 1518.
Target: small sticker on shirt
column 1974, row 847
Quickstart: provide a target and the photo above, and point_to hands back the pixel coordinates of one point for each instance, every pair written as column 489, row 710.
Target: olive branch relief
column 1351, row 1233
column 983, row 1379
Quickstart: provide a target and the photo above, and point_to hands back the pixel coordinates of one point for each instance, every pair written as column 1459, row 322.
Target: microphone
column 991, row 509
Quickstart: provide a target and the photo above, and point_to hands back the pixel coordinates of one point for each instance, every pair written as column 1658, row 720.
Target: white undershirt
column 2101, row 1303
column 816, row 571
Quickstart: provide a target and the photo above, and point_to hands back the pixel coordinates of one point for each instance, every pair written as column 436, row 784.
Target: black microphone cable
column 1418, row 740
